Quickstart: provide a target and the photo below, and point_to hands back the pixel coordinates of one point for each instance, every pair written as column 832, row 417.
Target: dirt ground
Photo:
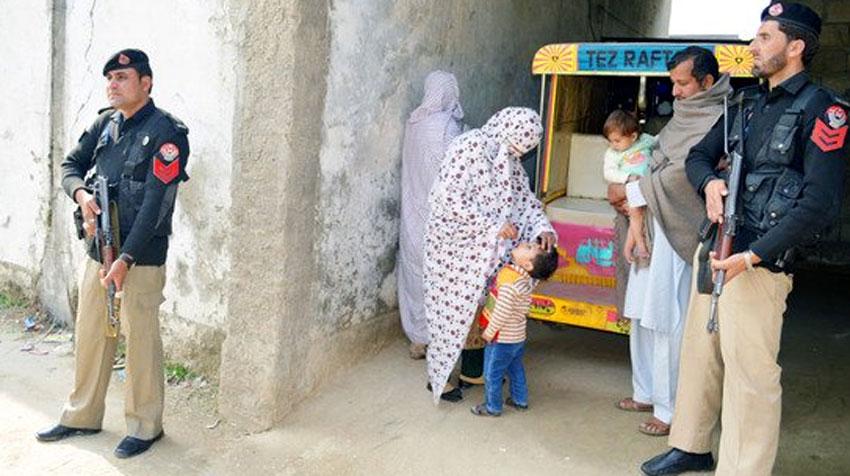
column 378, row 419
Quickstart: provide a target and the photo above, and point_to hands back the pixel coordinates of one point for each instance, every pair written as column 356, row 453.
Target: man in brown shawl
column 657, row 296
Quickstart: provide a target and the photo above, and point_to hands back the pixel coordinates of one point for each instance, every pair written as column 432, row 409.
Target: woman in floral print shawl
column 481, row 206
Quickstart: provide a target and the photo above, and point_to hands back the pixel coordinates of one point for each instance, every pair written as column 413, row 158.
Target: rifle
column 107, row 243
column 729, row 228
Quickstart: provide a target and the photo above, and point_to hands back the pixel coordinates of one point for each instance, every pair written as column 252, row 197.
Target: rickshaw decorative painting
column 556, row 59
column 579, row 291
column 734, row 59
column 587, row 255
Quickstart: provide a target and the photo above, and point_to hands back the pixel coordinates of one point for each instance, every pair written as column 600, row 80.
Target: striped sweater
column 504, row 315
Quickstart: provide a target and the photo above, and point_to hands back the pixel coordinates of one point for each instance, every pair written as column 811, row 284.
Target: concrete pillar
column 57, row 289
column 275, row 191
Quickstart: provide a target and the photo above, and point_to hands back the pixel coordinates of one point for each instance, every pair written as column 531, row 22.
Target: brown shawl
column 669, row 195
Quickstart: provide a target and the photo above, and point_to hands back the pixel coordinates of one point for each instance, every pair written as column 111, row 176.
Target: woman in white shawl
column 481, row 206
column 429, row 130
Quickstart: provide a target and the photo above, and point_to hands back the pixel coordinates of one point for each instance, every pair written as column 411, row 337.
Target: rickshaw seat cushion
column 585, row 178
column 581, row 211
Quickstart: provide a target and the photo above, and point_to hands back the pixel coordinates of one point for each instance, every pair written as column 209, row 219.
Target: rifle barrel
column 730, row 207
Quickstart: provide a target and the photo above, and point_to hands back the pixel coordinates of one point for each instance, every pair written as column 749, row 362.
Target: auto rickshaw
column 581, row 83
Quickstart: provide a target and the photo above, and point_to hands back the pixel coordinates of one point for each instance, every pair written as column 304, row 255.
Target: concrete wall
column 24, row 141
column 282, row 259
column 624, row 19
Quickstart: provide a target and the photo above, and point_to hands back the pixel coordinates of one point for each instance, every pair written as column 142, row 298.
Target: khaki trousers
column 742, row 355
column 700, row 390
column 95, row 352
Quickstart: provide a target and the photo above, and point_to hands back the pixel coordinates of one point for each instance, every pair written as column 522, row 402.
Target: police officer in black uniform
column 795, row 153
column 142, row 151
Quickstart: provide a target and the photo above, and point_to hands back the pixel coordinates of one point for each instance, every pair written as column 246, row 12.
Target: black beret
column 129, row 58
column 793, row 14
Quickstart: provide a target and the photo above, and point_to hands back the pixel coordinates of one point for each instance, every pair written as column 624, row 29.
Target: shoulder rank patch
column 830, row 135
column 165, row 166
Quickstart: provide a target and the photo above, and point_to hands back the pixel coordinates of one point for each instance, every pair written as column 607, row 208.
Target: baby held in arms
column 627, row 157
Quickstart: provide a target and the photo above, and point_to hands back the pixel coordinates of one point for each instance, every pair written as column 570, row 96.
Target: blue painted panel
column 629, row 58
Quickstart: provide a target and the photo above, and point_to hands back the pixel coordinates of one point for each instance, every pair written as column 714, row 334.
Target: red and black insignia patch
column 166, row 167
column 123, row 59
column 830, row 137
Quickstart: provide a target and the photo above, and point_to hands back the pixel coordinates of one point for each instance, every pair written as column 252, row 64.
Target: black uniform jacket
column 144, row 158
column 821, row 155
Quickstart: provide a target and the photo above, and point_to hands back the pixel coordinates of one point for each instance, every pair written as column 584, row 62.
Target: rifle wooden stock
column 723, row 246
column 107, row 253
column 106, row 249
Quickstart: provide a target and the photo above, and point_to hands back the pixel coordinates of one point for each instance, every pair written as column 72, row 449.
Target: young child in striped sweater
column 503, row 320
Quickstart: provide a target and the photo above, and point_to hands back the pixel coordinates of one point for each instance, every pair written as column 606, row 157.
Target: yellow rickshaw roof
column 633, row 59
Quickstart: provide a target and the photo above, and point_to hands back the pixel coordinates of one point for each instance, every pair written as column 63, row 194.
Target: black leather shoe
column 131, row 446
column 454, row 395
column 677, row 461
column 60, row 432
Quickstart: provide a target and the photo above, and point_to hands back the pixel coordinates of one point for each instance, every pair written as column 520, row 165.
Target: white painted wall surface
column 25, row 44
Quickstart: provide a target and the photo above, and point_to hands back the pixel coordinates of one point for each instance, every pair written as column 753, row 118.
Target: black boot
column 677, row 461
